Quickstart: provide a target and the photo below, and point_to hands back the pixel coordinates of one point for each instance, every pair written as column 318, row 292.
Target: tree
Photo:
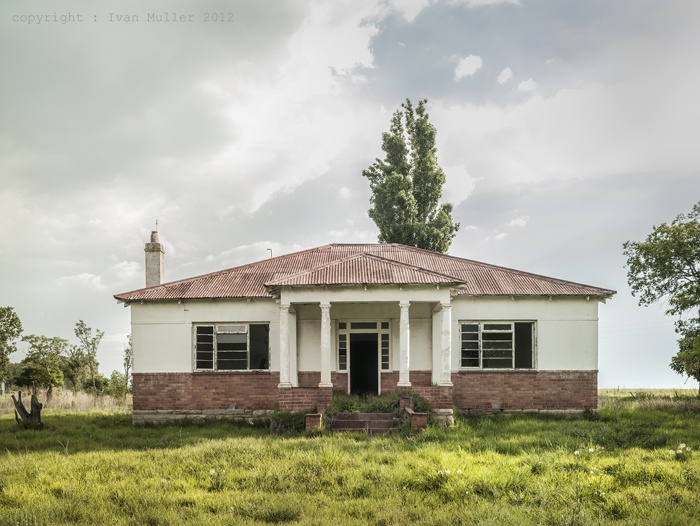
column 42, row 363
column 75, row 368
column 10, row 331
column 128, row 360
column 89, row 345
column 118, row 385
column 407, row 185
column 666, row 266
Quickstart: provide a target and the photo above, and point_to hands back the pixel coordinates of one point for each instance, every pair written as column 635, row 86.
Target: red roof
column 363, row 264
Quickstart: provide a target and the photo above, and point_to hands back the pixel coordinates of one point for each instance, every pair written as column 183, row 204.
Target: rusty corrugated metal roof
column 347, row 264
column 364, row 269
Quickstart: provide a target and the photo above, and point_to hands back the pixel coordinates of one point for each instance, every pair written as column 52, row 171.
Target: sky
column 565, row 128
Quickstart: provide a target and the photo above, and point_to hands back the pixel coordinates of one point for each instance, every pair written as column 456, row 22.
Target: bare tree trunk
column 31, row 418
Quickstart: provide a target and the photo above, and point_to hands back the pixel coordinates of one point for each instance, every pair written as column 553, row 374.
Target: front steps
column 370, row 423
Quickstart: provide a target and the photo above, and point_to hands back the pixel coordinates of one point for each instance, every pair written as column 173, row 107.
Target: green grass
column 612, row 467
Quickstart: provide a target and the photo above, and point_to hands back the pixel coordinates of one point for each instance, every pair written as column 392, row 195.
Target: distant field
column 635, row 461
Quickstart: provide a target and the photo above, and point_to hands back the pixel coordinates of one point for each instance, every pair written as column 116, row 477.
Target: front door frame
column 363, row 326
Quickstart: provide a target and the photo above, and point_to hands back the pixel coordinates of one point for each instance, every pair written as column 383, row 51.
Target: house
column 284, row 332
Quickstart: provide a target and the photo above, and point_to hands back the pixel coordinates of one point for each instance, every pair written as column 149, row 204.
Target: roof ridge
column 359, row 255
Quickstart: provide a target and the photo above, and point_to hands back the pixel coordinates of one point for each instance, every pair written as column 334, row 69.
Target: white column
column 446, row 345
column 284, row 347
column 404, row 346
column 325, row 345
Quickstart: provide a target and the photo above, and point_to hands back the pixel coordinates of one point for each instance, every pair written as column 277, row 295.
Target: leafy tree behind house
column 10, row 331
column 407, row 184
column 53, row 362
column 128, row 359
column 88, row 346
column 666, row 266
column 75, row 368
column 42, row 363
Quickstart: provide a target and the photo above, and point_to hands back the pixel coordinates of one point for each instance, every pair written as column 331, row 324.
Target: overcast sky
column 564, row 128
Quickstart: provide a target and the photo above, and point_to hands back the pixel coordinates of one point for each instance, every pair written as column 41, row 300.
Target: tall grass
column 613, row 467
column 66, row 400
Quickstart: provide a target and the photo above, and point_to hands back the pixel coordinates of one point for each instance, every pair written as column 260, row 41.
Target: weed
column 286, row 422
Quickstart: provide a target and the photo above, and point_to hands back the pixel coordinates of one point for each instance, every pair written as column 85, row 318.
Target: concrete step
column 370, row 423
column 365, row 416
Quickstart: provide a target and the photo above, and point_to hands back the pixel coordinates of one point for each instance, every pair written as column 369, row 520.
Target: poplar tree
column 407, row 184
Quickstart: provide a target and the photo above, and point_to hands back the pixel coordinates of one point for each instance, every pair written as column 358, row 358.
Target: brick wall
column 421, row 384
column 521, row 389
column 298, row 398
column 526, row 389
column 313, row 378
column 184, row 391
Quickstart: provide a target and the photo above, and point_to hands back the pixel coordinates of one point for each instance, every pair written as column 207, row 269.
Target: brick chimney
column 154, row 261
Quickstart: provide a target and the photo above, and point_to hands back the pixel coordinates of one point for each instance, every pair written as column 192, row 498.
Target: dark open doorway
column 364, row 374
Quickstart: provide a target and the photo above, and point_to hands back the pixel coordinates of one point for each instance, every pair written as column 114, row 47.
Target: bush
column 384, row 403
column 286, row 422
column 101, row 385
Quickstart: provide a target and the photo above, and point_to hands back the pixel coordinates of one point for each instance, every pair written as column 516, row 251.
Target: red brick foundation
column 439, row 397
column 205, row 391
column 257, row 391
column 299, row 398
column 512, row 390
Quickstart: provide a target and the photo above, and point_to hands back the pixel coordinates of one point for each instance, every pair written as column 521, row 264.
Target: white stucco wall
column 162, row 331
column 566, row 329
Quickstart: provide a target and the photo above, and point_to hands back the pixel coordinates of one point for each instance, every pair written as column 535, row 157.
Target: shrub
column 286, row 422
column 384, row 403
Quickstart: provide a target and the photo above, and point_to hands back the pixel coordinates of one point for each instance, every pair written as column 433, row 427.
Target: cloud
column 505, row 75
column 243, row 254
column 527, row 85
column 480, row 3
column 519, row 221
column 467, row 67
column 409, row 9
column 496, row 237
column 458, row 184
column 84, row 280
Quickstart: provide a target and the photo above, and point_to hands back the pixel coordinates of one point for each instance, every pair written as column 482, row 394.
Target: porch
column 365, row 341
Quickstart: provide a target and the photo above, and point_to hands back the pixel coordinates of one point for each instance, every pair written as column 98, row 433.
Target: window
column 497, row 345
column 343, row 352
column 232, row 347
column 385, row 351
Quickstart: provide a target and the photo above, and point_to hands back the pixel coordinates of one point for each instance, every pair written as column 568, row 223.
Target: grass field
column 636, row 461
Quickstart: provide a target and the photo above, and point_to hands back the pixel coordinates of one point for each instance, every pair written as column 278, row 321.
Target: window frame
column 219, row 328
column 493, row 331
